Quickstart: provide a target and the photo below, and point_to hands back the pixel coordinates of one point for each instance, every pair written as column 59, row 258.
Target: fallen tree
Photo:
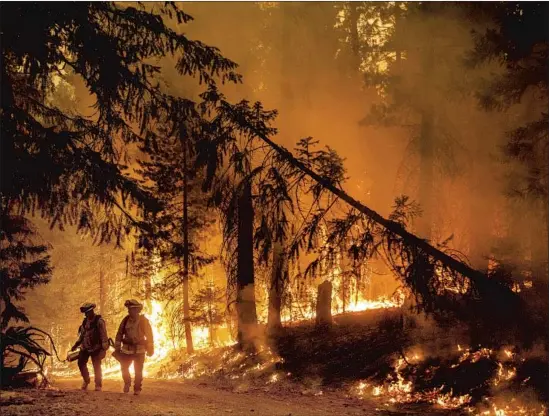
column 440, row 279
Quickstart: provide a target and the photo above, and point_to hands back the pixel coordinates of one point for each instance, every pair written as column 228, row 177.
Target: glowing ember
column 274, row 378
column 504, row 374
column 397, row 389
column 513, row 409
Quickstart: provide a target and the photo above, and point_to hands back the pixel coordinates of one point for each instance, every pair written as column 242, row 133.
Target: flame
column 396, row 389
column 399, row 390
column 504, row 374
column 513, row 409
column 449, row 282
column 162, row 342
column 274, row 378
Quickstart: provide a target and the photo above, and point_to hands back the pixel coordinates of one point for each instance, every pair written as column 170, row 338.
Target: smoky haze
column 298, row 58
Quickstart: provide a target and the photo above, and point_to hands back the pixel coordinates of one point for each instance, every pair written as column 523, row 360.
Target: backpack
column 93, row 324
column 96, row 337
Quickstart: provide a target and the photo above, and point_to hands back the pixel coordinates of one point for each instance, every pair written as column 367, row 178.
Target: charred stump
column 324, row 304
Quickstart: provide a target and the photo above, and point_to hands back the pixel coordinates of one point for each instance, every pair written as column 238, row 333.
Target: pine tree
column 208, row 309
column 183, row 224
column 413, row 94
column 519, row 40
column 70, row 168
column 25, row 265
column 80, row 160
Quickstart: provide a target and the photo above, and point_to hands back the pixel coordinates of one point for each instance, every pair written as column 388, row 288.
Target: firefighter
column 93, row 342
column 133, row 339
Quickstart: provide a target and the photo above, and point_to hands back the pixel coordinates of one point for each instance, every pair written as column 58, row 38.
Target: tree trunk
column 148, row 290
column 211, row 324
column 286, row 87
column 245, row 297
column 102, row 290
column 274, row 321
column 426, row 150
column 538, row 252
column 186, row 308
column 353, row 34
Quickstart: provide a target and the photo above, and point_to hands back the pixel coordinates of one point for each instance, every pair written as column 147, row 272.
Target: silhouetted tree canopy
column 68, row 166
column 519, row 40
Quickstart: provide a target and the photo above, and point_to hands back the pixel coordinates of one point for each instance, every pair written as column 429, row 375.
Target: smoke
column 297, row 58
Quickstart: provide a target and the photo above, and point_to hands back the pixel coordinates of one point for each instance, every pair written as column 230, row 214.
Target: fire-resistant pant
column 96, row 358
column 138, row 360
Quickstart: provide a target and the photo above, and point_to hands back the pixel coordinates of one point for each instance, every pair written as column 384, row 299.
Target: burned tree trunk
column 354, row 15
column 324, row 304
column 211, row 324
column 538, row 251
column 148, row 291
column 102, row 290
column 426, row 151
column 245, row 296
column 186, row 308
column 276, row 288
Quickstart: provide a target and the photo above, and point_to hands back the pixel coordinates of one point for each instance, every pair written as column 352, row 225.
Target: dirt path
column 171, row 398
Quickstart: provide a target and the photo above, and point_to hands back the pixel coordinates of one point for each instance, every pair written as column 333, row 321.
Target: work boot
column 126, row 388
column 137, row 392
column 85, row 385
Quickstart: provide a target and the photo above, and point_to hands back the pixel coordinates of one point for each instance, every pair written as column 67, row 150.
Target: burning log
column 324, row 304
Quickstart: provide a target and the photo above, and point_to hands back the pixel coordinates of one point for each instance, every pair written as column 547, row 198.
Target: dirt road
column 173, row 398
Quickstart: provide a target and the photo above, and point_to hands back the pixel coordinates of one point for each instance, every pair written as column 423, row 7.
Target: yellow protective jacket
column 135, row 340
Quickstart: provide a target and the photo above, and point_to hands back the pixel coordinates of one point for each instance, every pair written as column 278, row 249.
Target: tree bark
column 210, row 323
column 538, row 252
column 148, row 291
column 274, row 321
column 102, row 290
column 245, row 297
column 324, row 304
column 426, row 150
column 286, row 87
column 186, row 307
column 353, row 34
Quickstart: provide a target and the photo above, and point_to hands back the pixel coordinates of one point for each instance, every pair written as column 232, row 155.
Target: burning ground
column 369, row 358
column 375, row 359
column 379, row 360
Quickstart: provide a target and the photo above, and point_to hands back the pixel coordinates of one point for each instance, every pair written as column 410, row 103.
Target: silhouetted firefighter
column 133, row 339
column 93, row 342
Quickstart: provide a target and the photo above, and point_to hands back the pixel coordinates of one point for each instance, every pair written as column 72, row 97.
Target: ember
column 399, row 389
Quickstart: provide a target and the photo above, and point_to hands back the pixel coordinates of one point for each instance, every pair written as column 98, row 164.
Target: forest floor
column 171, row 398
column 366, row 364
